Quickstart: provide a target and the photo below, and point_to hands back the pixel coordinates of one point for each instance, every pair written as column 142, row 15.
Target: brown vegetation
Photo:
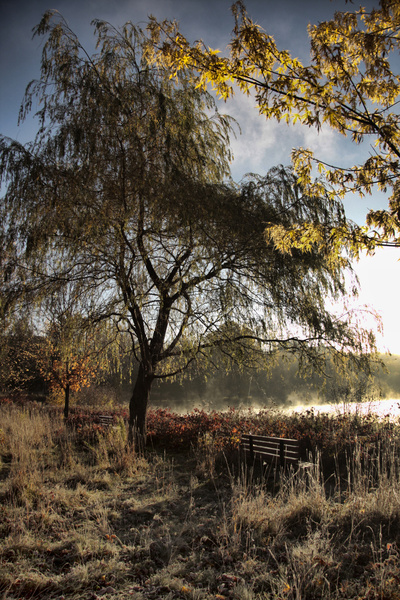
column 82, row 517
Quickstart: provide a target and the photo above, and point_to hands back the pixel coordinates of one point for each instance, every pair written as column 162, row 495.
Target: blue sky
column 261, row 145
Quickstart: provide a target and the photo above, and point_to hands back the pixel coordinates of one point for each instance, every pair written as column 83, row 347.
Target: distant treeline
column 215, row 389
column 282, row 386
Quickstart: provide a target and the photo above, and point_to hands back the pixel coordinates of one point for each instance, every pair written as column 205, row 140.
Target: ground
column 84, row 517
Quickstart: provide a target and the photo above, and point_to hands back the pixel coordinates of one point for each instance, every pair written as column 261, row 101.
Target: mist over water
column 383, row 408
column 389, row 407
column 211, row 398
column 283, row 390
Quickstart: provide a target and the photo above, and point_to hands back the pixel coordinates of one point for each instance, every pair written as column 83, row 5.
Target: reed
column 83, row 516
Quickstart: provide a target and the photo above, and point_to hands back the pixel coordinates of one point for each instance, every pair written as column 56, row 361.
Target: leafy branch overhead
column 351, row 85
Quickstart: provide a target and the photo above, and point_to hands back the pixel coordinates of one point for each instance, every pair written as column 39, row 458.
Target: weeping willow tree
column 125, row 192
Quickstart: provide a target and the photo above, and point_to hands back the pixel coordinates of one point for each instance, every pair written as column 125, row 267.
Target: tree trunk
column 66, row 401
column 138, row 407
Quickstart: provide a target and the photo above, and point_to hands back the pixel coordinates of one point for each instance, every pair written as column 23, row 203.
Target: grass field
column 83, row 517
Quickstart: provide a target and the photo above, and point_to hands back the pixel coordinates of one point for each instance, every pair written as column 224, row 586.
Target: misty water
column 383, row 408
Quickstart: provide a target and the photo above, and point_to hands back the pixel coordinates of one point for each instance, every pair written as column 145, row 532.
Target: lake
column 388, row 407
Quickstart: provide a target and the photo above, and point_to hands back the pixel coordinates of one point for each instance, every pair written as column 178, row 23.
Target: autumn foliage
column 326, row 435
column 76, row 373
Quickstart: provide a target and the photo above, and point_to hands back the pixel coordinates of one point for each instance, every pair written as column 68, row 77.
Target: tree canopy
column 352, row 85
column 126, row 193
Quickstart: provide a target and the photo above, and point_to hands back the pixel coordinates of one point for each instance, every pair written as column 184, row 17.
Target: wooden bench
column 279, row 452
column 106, row 420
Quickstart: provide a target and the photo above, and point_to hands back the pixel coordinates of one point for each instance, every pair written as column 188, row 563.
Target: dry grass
column 93, row 520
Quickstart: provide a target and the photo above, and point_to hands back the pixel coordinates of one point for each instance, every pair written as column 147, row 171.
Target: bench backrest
column 105, row 420
column 281, row 451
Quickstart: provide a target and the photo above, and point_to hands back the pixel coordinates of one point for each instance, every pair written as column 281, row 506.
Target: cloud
column 379, row 277
column 264, row 143
column 256, row 147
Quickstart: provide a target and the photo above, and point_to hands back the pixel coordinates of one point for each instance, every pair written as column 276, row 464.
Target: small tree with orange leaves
column 74, row 353
column 67, row 373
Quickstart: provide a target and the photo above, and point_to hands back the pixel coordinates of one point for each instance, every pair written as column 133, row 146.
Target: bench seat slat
column 272, row 451
column 293, row 460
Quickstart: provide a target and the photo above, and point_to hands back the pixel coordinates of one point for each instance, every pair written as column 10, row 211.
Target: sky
column 261, row 144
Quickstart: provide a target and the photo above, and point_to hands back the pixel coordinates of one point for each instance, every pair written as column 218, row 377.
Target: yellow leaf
column 185, row 590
